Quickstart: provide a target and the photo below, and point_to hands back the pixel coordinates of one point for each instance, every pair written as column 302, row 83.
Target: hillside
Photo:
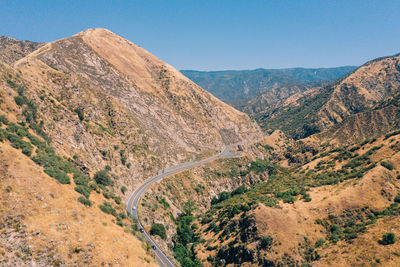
column 331, row 206
column 124, row 107
column 238, row 86
column 91, row 116
column 12, row 50
column 265, row 103
column 368, row 96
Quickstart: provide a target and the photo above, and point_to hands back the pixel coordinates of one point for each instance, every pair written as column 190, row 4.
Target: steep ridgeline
column 238, row 86
column 363, row 104
column 12, row 50
column 110, row 102
column 83, row 121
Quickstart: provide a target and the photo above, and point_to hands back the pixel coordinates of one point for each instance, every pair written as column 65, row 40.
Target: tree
column 101, row 177
column 189, row 207
column 388, row 239
column 158, row 229
column 123, row 189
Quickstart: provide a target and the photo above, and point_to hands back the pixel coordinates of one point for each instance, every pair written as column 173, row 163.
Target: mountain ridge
column 243, row 85
column 97, row 115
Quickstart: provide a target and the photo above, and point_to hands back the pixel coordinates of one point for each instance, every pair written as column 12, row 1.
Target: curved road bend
column 134, row 199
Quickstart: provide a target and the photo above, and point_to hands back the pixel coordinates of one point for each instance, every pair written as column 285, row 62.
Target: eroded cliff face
column 137, row 113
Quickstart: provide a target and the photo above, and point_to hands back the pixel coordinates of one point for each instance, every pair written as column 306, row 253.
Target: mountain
column 12, row 50
column 363, row 104
column 88, row 118
column 233, row 86
column 324, row 194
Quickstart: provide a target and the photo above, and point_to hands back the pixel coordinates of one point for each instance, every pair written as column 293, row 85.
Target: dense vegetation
column 158, row 229
column 186, row 240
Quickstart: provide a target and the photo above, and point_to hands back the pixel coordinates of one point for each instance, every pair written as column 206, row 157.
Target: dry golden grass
column 63, row 222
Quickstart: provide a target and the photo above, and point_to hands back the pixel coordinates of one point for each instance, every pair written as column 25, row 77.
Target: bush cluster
column 158, row 229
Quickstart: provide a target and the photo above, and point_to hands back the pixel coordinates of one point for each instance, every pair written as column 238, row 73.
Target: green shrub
column 388, row 239
column 101, row 177
column 319, row 242
column 123, row 189
column 117, row 199
column 36, row 142
column 81, row 179
column 20, row 100
column 4, row 119
column 107, row 208
column 84, row 190
column 266, row 242
column 387, row 165
column 79, row 112
column 260, row 166
column 397, row 199
column 85, row 201
column 158, row 229
column 392, row 134
column 2, row 135
column 366, row 141
column 61, row 176
column 164, row 203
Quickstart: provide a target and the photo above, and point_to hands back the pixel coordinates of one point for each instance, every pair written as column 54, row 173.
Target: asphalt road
column 134, row 199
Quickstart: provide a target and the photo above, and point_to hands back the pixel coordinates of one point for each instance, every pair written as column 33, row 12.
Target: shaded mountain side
column 234, row 86
column 267, row 102
column 12, row 50
column 364, row 125
column 359, row 96
column 296, row 118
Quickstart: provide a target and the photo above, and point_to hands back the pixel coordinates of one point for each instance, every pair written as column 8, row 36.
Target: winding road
column 134, row 199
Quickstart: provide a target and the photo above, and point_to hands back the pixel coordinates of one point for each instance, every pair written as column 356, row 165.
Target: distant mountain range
column 243, row 85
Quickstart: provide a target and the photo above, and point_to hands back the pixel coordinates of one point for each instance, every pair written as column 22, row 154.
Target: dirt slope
column 42, row 224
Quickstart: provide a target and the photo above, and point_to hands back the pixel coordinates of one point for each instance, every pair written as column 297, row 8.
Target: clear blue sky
column 223, row 34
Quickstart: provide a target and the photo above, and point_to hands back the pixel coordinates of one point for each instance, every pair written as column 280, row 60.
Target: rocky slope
column 239, row 86
column 12, row 50
column 368, row 96
column 99, row 114
column 110, row 102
